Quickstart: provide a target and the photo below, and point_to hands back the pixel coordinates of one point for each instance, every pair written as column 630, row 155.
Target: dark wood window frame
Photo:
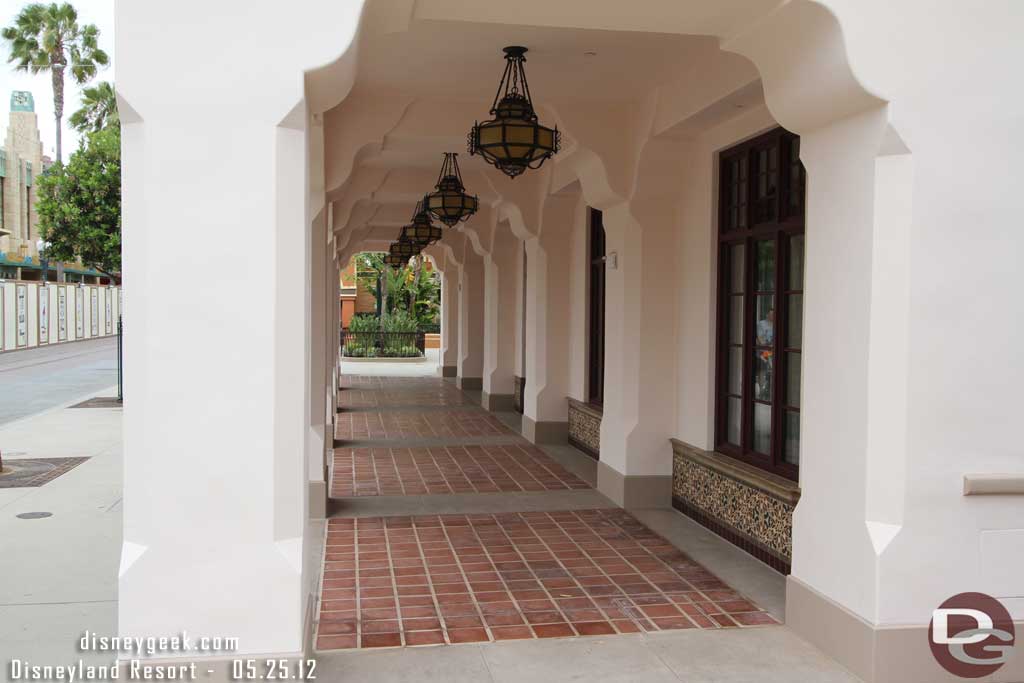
column 596, row 303
column 753, row 214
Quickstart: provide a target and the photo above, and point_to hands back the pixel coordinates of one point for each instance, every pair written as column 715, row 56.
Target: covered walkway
column 447, row 527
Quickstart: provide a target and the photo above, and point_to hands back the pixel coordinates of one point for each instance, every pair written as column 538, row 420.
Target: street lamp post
column 42, row 247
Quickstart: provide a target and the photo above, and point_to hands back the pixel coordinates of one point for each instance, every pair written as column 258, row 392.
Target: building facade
column 769, row 280
column 21, row 162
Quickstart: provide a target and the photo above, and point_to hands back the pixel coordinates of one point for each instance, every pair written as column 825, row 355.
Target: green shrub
column 398, row 321
column 408, row 351
column 363, row 322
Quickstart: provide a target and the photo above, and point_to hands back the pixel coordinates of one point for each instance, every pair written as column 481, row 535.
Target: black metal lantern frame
column 513, row 140
column 449, row 202
column 404, row 249
column 394, row 260
column 421, row 231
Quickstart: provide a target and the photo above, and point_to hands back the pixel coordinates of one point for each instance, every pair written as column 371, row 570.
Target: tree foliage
column 98, row 110
column 408, row 289
column 48, row 38
column 80, row 204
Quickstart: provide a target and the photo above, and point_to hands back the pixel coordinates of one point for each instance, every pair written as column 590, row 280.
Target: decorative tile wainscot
column 585, row 427
column 749, row 507
column 517, row 393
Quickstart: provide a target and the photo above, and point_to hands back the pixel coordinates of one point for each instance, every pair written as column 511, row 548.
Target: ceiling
column 464, row 60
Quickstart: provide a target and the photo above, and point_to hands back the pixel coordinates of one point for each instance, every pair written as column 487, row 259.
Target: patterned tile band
column 585, row 427
column 517, row 393
column 759, row 514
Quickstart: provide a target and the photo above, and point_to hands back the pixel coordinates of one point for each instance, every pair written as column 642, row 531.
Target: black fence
column 432, row 328
column 120, row 359
column 381, row 344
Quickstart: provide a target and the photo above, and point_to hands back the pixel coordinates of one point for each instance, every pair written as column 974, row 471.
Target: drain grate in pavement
column 34, row 515
column 35, row 472
column 100, row 402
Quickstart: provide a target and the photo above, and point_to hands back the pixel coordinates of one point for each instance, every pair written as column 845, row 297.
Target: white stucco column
column 220, row 384
column 319, row 437
column 332, row 349
column 471, row 318
column 639, row 396
column 216, row 432
column 500, row 279
column 545, row 412
column 520, row 326
column 450, row 319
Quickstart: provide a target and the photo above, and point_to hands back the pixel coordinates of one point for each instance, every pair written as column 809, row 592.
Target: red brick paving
column 430, row 580
column 416, row 396
column 408, row 424
column 447, row 469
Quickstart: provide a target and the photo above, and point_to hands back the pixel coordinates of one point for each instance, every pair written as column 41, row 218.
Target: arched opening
column 646, row 118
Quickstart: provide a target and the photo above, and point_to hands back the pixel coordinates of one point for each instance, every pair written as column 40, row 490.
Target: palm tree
column 48, row 38
column 99, row 109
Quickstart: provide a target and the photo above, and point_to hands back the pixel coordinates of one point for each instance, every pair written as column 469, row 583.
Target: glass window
column 595, row 352
column 761, row 338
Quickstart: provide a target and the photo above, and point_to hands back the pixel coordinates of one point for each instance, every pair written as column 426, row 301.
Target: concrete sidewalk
column 429, row 367
column 59, row 574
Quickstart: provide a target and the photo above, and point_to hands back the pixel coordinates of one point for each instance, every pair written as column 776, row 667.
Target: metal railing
column 378, row 344
column 120, row 360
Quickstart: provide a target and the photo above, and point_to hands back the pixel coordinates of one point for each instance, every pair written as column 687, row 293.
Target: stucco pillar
column 500, row 279
column 215, row 437
column 333, row 332
column 639, row 395
column 219, row 363
column 450, row 320
column 545, row 411
column 318, row 326
column 471, row 319
column 520, row 326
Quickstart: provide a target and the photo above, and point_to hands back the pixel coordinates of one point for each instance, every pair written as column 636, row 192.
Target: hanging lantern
column 513, row 141
column 449, row 202
column 421, row 231
column 404, row 249
column 394, row 260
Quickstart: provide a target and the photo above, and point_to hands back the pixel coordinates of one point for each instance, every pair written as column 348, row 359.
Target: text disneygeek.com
column 134, row 660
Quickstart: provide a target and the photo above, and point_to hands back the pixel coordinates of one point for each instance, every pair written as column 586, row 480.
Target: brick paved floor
column 431, row 580
column 418, row 425
column 403, row 383
column 447, row 469
column 385, row 398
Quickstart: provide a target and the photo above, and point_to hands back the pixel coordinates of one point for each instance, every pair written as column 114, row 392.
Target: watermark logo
column 971, row 635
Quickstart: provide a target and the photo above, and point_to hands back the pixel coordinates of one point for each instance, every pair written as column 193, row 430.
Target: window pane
column 791, row 447
column 764, row 279
column 796, row 262
column 763, row 374
column 793, row 379
column 736, row 370
column 762, row 428
column 736, row 319
column 735, row 419
column 737, row 268
column 795, row 335
column 764, row 314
